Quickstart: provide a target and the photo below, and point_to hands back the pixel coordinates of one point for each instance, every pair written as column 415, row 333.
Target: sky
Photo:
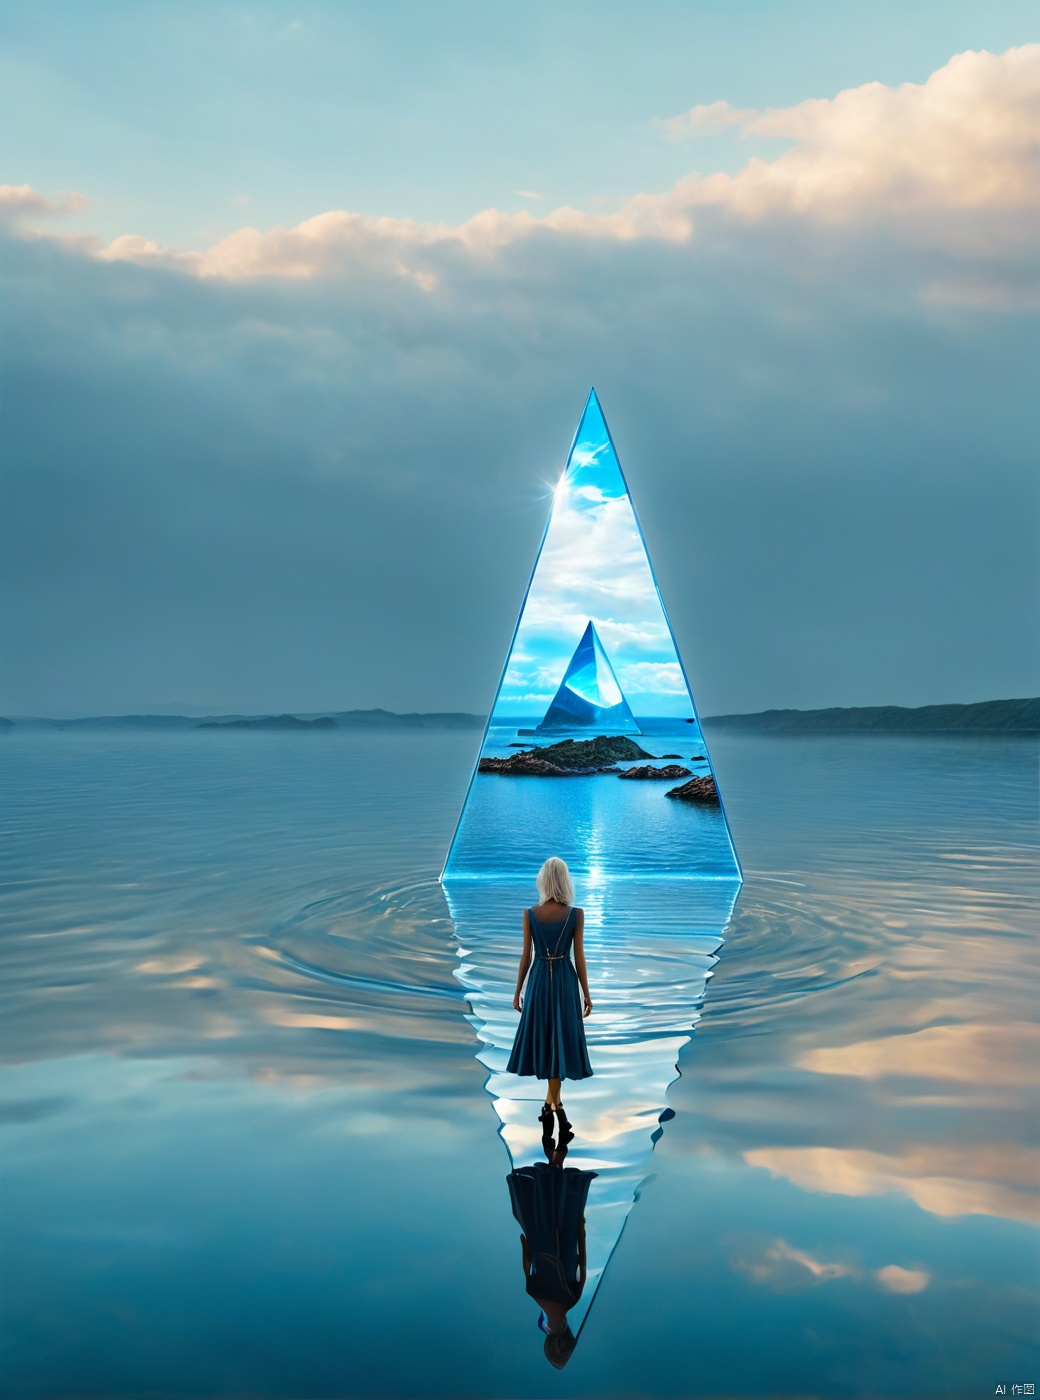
column 301, row 304
column 593, row 568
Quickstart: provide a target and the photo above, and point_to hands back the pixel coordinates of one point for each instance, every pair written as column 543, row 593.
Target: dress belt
column 551, row 958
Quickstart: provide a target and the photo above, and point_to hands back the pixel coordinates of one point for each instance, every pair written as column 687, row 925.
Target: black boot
column 566, row 1131
column 546, row 1120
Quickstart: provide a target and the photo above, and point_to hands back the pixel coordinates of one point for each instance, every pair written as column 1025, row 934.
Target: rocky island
column 701, row 790
column 571, row 758
column 670, row 771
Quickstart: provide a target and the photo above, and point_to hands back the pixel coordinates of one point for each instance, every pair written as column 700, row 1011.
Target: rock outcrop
column 670, row 771
column 572, row 758
column 524, row 765
column 701, row 790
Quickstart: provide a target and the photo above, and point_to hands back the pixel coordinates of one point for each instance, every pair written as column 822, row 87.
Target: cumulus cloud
column 895, row 1279
column 975, row 1054
column 966, row 141
column 661, row 677
column 706, row 117
column 341, row 243
column 948, row 1181
column 21, row 203
column 786, row 1269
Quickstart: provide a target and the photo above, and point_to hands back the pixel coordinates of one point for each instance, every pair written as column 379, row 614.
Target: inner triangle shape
column 589, row 695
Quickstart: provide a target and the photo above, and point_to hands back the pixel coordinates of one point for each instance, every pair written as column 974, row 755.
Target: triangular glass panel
column 593, row 654
column 589, row 696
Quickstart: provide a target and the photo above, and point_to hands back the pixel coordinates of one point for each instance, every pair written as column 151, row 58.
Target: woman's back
column 553, row 927
column 551, row 911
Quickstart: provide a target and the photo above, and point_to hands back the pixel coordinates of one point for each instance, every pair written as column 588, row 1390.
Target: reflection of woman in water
column 549, row 1205
column 550, row 1039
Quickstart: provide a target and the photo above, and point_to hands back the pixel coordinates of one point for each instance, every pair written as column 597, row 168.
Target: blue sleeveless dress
column 550, row 1039
column 549, row 1205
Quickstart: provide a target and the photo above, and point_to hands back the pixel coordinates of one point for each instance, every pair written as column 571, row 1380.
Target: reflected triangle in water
column 650, row 947
column 593, row 653
column 589, row 696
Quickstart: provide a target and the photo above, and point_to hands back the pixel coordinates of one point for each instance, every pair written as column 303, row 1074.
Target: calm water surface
column 247, row 1145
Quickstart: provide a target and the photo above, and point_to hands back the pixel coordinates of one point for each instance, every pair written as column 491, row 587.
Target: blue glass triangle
column 593, row 658
column 589, row 696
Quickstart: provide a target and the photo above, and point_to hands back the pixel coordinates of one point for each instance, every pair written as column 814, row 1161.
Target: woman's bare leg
column 553, row 1096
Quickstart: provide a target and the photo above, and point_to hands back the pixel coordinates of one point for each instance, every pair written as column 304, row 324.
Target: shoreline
column 999, row 717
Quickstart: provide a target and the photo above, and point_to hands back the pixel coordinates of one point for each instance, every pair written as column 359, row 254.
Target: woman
column 550, row 1039
column 549, row 1206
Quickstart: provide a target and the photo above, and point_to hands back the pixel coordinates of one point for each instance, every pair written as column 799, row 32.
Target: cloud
column 170, row 965
column 21, row 202
column 341, row 243
column 344, row 430
column 302, row 1020
column 967, row 1054
column 705, row 117
column 895, row 1279
column 967, row 141
column 785, row 1269
column 593, row 565
column 662, row 677
column 532, row 698
column 998, row 1180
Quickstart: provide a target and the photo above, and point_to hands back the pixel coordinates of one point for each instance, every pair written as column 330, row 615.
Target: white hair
column 554, row 882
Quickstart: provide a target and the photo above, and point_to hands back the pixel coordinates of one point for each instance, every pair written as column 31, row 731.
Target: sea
column 257, row 1138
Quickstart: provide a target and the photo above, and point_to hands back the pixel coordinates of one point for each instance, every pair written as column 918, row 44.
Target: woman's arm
column 525, row 1250
column 525, row 962
column 579, row 957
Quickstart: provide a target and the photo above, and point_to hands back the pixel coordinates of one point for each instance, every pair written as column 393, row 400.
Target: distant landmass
column 269, row 722
column 329, row 719
column 386, row 719
column 986, row 717
column 351, row 719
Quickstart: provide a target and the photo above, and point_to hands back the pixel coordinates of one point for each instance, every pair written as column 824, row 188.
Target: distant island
column 329, row 719
column 269, row 722
column 985, row 717
column 351, row 719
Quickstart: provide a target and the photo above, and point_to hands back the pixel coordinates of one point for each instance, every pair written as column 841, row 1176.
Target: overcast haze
column 284, row 396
